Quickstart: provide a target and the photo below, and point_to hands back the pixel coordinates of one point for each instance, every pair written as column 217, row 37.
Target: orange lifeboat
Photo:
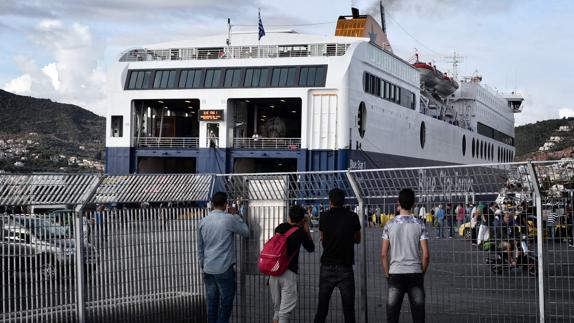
column 433, row 79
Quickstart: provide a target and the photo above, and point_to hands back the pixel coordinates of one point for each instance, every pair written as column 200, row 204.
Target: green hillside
column 532, row 136
column 24, row 114
column 39, row 130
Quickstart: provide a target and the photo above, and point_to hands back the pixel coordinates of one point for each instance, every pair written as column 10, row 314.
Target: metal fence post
column 539, row 238
column 79, row 241
column 363, row 269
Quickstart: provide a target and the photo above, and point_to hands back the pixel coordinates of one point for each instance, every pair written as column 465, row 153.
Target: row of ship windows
column 378, row 87
column 480, row 149
column 494, row 134
column 485, row 150
column 261, row 77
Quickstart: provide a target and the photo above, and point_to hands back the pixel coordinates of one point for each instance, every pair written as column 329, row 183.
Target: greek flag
column 261, row 29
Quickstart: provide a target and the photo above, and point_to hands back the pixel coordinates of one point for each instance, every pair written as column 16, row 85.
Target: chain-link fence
column 123, row 248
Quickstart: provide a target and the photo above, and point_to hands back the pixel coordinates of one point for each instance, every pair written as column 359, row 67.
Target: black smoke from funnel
column 442, row 7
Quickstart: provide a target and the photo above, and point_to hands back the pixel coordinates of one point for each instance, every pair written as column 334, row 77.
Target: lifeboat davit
column 433, row 79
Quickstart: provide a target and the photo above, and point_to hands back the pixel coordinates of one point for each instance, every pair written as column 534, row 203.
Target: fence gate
column 466, row 282
column 92, row 248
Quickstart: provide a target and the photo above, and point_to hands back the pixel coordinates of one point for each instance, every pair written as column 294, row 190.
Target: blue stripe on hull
column 122, row 160
column 368, row 160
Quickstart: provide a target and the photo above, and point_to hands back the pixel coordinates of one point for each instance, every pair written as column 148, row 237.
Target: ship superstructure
column 296, row 102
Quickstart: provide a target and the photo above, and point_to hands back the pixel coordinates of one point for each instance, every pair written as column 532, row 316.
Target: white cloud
column 51, row 71
column 20, row 85
column 132, row 10
column 47, row 24
column 566, row 113
column 75, row 76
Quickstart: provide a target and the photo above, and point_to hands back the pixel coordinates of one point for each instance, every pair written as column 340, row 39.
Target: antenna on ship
column 383, row 22
column 454, row 60
column 228, row 40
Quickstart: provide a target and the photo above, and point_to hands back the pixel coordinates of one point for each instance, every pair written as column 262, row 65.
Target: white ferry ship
column 296, row 102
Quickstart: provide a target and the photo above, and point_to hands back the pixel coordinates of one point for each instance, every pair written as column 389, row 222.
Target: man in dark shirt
column 284, row 288
column 340, row 231
column 506, row 234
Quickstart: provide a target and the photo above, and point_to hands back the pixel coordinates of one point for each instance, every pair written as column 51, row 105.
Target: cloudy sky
column 60, row 49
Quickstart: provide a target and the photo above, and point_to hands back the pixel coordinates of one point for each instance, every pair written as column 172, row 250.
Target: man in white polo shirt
column 405, row 257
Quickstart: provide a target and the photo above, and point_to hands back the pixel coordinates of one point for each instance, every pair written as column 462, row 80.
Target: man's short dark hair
column 219, row 199
column 337, row 197
column 406, row 198
column 296, row 214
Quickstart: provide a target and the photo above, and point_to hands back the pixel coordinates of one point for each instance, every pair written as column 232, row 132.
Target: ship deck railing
column 167, row 142
column 267, row 143
column 235, row 52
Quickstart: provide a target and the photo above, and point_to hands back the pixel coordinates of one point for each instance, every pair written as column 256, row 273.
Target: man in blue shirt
column 216, row 252
column 440, row 215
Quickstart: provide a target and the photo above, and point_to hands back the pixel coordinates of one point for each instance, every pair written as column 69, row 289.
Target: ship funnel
column 364, row 26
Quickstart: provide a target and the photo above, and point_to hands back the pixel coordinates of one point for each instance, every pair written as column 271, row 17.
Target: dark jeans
column 332, row 276
column 220, row 293
column 450, row 226
column 474, row 233
column 413, row 285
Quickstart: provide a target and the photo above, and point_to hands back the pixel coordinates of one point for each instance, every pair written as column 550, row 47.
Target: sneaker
column 571, row 245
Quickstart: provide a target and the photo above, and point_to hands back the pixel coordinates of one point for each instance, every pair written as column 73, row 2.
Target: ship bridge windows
column 376, row 86
column 473, row 148
column 189, row 79
column 283, row 77
column 232, row 77
column 312, row 76
column 164, row 79
column 463, row 145
column 139, row 80
column 212, row 78
column 256, row 77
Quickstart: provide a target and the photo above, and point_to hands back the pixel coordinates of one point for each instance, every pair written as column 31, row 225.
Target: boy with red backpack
column 280, row 260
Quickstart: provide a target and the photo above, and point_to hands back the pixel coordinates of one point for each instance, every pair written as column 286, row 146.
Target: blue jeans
column 440, row 228
column 332, row 276
column 413, row 286
column 220, row 294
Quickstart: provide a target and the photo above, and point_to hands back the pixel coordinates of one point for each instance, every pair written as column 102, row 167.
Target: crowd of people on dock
column 404, row 248
column 404, row 253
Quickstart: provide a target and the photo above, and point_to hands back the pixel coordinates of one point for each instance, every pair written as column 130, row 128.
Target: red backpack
column 273, row 260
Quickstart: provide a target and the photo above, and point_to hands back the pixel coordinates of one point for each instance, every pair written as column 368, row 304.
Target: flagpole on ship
column 228, row 40
column 260, row 33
